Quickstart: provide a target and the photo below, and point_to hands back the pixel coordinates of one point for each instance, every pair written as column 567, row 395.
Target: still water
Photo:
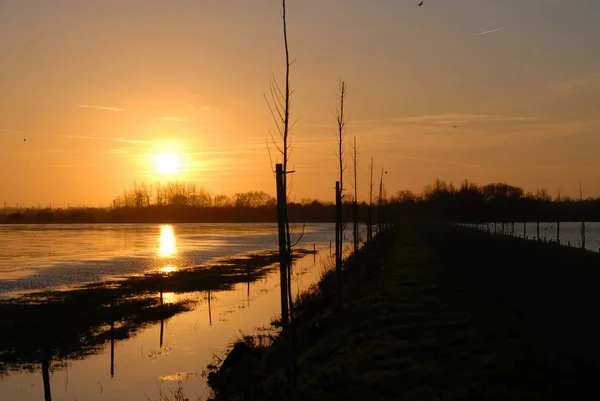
column 570, row 232
column 159, row 355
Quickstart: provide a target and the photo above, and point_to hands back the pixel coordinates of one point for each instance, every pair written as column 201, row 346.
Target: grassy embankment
column 440, row 313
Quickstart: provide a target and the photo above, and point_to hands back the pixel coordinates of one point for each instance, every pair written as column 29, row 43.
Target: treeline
column 310, row 212
column 178, row 202
column 187, row 194
column 498, row 202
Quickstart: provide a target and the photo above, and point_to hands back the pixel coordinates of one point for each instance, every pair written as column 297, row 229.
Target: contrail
column 486, row 32
column 87, row 106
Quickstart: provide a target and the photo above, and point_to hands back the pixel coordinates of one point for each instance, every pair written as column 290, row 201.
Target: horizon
column 97, row 96
column 388, row 195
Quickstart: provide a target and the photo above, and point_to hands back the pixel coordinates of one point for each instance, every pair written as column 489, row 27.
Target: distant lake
column 570, row 232
column 43, row 257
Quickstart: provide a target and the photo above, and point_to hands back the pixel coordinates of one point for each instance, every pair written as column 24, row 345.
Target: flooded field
column 140, row 309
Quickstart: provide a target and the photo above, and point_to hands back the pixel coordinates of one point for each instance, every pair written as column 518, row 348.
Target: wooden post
column 338, row 239
column 355, row 231
column 355, row 203
column 283, row 257
column 162, row 323
column 112, row 337
column 209, row 310
column 46, row 375
column 538, row 230
column 524, row 229
column 558, row 218
column 582, row 216
column 370, row 211
column 380, row 205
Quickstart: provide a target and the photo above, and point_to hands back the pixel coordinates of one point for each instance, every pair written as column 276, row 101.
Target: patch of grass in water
column 76, row 323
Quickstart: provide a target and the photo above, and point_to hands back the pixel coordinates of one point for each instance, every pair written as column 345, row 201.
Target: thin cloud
column 441, row 161
column 69, row 165
column 176, row 119
column 10, row 131
column 88, row 106
column 488, row 32
column 447, row 118
column 122, row 140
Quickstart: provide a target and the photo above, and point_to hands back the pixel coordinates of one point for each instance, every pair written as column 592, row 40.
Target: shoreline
column 79, row 322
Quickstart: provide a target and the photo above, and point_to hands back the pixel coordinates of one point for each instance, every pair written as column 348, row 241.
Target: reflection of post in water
column 46, row 375
column 112, row 338
column 162, row 321
column 248, row 292
column 209, row 313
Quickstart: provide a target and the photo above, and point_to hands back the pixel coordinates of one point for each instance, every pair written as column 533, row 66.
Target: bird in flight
column 456, row 126
column 421, row 3
column 24, row 139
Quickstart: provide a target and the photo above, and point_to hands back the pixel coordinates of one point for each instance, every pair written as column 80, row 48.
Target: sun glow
column 167, row 163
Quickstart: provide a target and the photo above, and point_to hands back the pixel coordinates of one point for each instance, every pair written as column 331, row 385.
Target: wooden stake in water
column 112, row 337
column 46, row 375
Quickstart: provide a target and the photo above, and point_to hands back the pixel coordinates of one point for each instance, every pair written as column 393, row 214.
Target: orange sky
column 98, row 88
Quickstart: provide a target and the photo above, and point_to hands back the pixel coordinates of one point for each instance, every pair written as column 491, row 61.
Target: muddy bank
column 73, row 324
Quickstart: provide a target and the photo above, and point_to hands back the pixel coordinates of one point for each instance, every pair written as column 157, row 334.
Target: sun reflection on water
column 168, row 297
column 166, row 242
column 168, row 269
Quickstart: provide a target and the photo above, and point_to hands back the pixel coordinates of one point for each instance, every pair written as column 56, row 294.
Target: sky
column 99, row 88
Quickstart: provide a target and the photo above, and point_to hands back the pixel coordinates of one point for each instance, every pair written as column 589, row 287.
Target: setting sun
column 167, row 163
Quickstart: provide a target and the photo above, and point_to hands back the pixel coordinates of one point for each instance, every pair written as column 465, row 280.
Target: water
column 161, row 354
column 36, row 257
column 570, row 232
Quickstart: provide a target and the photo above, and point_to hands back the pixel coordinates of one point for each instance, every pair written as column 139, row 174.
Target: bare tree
column 380, row 205
column 355, row 202
column 370, row 211
column 279, row 102
column 341, row 125
column 147, row 191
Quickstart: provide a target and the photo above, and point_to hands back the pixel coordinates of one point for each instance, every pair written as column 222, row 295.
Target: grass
column 419, row 324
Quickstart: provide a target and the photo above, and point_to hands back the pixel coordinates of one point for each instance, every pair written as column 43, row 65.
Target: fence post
column 355, row 231
column 338, row 239
column 283, row 257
